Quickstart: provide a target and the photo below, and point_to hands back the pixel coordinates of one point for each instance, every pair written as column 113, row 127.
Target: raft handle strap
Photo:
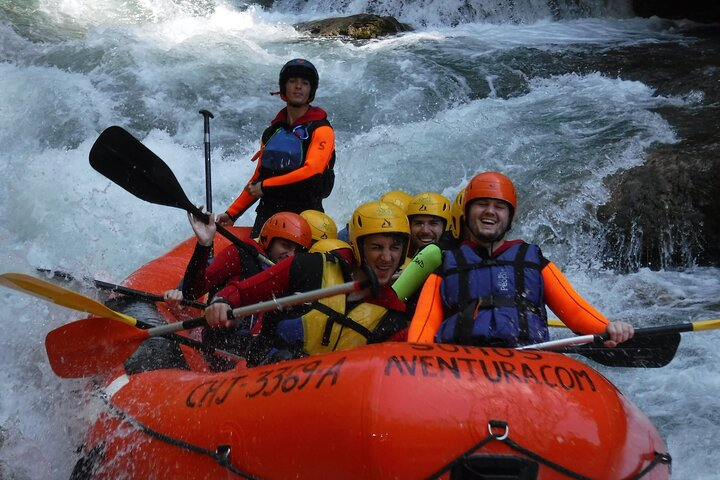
column 660, row 458
column 503, row 436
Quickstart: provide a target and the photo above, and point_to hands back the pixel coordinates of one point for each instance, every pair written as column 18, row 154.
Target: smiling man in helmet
column 379, row 236
column 493, row 291
column 296, row 156
column 430, row 216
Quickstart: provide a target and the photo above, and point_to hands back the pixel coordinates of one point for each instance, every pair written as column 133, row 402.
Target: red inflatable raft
column 385, row 411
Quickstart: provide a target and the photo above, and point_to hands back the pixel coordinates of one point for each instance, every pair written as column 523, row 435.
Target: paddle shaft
column 197, row 345
column 639, row 332
column 208, row 182
column 111, row 287
column 268, row 305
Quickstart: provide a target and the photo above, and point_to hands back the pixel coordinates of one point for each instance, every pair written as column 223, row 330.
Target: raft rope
column 221, row 454
column 494, row 427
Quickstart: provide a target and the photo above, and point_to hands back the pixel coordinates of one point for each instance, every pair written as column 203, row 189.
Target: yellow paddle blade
column 556, row 323
column 706, row 324
column 60, row 296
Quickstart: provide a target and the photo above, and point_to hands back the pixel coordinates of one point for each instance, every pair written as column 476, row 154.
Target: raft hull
column 385, row 411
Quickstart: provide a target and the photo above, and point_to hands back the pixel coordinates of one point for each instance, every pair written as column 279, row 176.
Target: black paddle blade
column 651, row 351
column 123, row 159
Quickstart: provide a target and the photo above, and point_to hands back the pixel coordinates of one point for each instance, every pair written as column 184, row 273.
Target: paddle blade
column 60, row 296
column 123, row 159
column 91, row 346
column 652, row 351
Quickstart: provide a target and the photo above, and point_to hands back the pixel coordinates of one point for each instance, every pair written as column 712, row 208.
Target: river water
column 524, row 88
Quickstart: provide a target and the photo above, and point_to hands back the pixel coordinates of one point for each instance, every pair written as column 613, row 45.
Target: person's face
column 383, row 254
column 425, row 229
column 297, row 91
column 487, row 220
column 281, row 248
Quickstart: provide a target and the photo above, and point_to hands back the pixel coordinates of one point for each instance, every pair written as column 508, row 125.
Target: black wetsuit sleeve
column 195, row 271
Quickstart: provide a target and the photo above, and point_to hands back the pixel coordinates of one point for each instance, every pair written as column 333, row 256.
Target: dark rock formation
column 362, row 26
column 665, row 213
column 703, row 11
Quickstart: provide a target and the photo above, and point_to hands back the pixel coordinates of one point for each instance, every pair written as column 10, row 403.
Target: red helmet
column 490, row 185
column 289, row 226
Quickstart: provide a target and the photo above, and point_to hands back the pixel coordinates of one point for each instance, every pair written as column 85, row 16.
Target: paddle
column 92, row 346
column 67, row 298
column 64, row 297
column 96, row 345
column 111, row 287
column 131, row 165
column 78, row 348
column 207, row 115
column 650, row 347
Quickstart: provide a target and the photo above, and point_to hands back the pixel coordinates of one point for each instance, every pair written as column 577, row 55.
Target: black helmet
column 300, row 68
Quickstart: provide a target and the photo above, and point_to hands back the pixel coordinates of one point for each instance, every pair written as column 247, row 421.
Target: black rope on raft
column 221, row 454
column 495, row 425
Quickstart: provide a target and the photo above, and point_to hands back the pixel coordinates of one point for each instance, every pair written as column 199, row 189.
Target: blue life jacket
column 496, row 301
column 284, row 150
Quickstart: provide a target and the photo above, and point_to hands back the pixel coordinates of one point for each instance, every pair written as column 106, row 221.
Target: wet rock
column 702, row 11
column 663, row 214
column 362, row 26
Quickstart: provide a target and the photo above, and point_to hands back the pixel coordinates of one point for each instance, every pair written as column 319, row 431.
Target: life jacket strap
column 337, row 317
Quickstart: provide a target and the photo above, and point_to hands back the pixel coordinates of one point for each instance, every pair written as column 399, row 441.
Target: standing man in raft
column 296, row 157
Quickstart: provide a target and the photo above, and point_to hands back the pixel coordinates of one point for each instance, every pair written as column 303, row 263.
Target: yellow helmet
column 397, row 198
column 457, row 215
column 377, row 217
column 430, row 203
column 321, row 225
column 328, row 245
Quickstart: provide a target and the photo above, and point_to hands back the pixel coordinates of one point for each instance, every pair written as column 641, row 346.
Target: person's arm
column 200, row 277
column 241, row 203
column 578, row 314
column 263, row 286
column 428, row 313
column 317, row 159
column 271, row 282
column 193, row 282
column 568, row 305
column 190, row 287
